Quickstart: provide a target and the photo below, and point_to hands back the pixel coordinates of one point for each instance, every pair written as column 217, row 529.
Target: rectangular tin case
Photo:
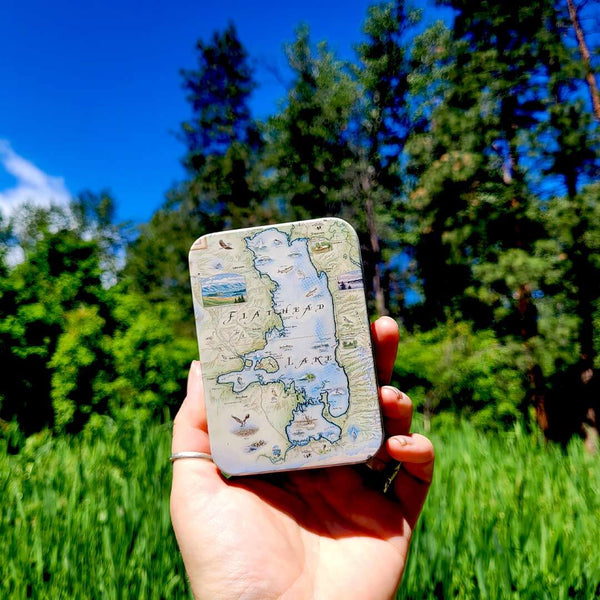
column 285, row 347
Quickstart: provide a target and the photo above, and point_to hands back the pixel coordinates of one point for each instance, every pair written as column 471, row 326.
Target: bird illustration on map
column 242, row 422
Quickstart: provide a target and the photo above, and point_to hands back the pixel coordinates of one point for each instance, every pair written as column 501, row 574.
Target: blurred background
column 460, row 139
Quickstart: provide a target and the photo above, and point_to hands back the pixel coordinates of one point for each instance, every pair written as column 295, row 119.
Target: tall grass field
column 507, row 517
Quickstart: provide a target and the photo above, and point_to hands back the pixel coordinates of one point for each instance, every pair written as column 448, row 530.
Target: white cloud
column 33, row 185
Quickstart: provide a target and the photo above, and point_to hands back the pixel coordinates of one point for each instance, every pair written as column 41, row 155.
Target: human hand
column 322, row 533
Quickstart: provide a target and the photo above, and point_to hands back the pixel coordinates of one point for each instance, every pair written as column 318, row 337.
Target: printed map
column 285, row 347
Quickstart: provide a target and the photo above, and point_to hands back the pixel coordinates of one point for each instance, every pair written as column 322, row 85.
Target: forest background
column 465, row 154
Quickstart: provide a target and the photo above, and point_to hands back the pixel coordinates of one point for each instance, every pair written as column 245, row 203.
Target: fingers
column 397, row 410
column 190, row 433
column 417, row 456
column 384, row 332
column 415, row 451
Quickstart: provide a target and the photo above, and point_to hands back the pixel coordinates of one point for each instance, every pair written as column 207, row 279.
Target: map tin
column 285, row 347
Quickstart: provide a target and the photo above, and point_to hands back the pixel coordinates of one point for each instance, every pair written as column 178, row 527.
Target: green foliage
column 151, row 359
column 218, row 92
column 60, row 276
column 308, row 149
column 501, row 124
column 156, row 266
column 223, row 140
column 80, row 366
column 335, row 147
column 452, row 368
column 77, row 347
column 465, row 157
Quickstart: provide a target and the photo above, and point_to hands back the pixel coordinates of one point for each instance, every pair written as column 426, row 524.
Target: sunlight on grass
column 508, row 517
column 88, row 517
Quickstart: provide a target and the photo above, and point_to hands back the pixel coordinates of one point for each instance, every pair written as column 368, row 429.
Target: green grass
column 88, row 517
column 507, row 517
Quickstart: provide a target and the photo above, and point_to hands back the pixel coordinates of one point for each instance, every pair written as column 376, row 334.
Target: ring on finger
column 179, row 455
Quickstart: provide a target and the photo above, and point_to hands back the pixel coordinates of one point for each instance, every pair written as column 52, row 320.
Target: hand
column 323, row 533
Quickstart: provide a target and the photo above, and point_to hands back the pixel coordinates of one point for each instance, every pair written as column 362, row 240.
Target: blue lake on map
column 303, row 301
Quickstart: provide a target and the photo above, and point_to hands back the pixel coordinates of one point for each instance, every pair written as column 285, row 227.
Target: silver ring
column 179, row 455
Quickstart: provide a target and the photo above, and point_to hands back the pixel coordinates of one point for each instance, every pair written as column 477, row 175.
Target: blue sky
column 91, row 91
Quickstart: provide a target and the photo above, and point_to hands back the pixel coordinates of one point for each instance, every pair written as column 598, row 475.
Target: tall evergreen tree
column 384, row 124
column 335, row 148
column 222, row 138
column 308, row 140
column 574, row 159
column 476, row 220
column 223, row 189
column 470, row 159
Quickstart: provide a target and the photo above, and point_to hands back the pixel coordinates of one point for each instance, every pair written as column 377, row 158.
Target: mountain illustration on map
column 220, row 289
column 278, row 358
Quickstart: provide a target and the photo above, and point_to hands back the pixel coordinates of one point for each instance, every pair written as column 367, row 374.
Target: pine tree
column 336, row 147
column 574, row 162
column 223, row 188
column 384, row 124
column 307, row 141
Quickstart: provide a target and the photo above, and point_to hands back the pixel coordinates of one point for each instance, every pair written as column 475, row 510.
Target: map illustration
column 285, row 347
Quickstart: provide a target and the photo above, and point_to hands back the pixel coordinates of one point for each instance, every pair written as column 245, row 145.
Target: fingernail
column 194, row 374
column 400, row 441
column 394, row 390
column 377, row 464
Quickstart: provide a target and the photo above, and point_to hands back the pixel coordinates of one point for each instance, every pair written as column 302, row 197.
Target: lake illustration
column 350, row 281
column 225, row 288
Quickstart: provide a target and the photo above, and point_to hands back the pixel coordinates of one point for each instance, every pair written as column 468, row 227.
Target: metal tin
column 285, row 347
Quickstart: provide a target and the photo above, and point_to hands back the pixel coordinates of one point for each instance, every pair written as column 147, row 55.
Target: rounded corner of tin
column 200, row 243
column 344, row 223
column 226, row 469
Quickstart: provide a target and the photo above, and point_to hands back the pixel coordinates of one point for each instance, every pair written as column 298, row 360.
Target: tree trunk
column 585, row 277
column 378, row 292
column 536, row 395
column 590, row 78
column 528, row 314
